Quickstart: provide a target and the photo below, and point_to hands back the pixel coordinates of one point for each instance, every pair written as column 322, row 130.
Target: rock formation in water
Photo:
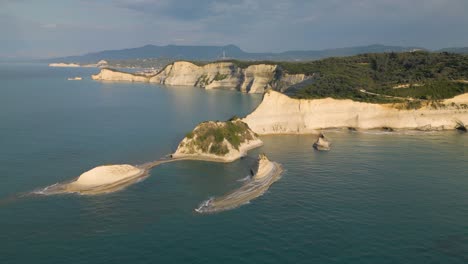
column 280, row 114
column 460, row 126
column 102, row 179
column 218, row 141
column 266, row 174
column 322, row 143
column 65, row 65
column 252, row 79
column 265, row 166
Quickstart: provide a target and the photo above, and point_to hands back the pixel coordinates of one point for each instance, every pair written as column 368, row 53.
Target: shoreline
column 243, row 150
column 280, row 114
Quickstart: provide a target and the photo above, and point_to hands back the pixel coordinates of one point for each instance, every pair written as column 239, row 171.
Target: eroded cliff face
column 280, row 114
column 253, row 79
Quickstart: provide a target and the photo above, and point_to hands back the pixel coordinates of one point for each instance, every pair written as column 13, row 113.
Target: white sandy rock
column 280, row 114
column 113, row 75
column 265, row 167
column 107, row 174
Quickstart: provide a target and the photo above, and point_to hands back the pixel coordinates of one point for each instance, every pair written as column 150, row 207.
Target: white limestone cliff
column 253, row 79
column 280, row 114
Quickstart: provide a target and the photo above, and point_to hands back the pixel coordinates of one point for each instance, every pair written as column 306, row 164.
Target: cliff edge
column 252, row 79
column 280, row 114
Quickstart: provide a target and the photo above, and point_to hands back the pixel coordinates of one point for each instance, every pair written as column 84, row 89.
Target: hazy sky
column 68, row 27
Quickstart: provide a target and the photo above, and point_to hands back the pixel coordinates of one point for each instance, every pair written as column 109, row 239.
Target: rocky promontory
column 280, row 114
column 218, row 141
column 255, row 78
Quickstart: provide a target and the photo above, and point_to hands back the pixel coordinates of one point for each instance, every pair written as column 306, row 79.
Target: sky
column 52, row 28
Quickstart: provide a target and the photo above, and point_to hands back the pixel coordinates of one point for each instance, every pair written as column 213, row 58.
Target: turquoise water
column 375, row 198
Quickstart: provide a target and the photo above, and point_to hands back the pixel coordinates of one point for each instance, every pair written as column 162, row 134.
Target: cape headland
column 280, row 114
column 248, row 78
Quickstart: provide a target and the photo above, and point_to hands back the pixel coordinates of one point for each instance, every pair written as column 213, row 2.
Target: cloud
column 254, row 25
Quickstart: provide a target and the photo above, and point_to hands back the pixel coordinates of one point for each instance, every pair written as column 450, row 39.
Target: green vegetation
column 203, row 80
column 189, row 135
column 429, row 76
column 210, row 136
column 219, row 77
column 432, row 90
column 433, row 76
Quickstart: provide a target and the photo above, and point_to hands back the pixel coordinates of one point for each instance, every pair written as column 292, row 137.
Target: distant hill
column 208, row 53
column 455, row 50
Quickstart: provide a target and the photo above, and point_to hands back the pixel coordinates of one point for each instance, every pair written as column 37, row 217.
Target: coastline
column 242, row 152
column 280, row 114
column 256, row 78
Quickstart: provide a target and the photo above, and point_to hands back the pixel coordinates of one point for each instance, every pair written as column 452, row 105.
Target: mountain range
column 208, row 53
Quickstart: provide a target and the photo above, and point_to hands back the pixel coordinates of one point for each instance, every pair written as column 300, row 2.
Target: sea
column 376, row 197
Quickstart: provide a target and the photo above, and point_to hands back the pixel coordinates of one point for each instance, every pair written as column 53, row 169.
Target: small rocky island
column 218, row 141
column 99, row 180
column 322, row 143
column 267, row 173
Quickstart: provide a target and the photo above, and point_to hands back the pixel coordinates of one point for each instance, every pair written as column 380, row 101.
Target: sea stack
column 322, row 143
column 460, row 126
column 218, row 141
column 267, row 173
column 265, row 166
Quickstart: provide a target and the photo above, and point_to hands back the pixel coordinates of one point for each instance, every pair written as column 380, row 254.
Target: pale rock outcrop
column 322, row 143
column 209, row 141
column 253, row 79
column 65, row 65
column 280, row 114
column 265, row 167
column 286, row 80
column 258, row 78
column 104, row 175
column 112, row 75
column 267, row 173
column 459, row 99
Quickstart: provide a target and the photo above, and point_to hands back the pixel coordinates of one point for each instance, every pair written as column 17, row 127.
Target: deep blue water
column 375, row 198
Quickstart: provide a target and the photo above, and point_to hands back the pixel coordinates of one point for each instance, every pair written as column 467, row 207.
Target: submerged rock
column 322, row 143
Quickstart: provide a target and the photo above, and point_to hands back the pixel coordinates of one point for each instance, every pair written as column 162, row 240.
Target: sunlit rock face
column 252, row 79
column 280, row 114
